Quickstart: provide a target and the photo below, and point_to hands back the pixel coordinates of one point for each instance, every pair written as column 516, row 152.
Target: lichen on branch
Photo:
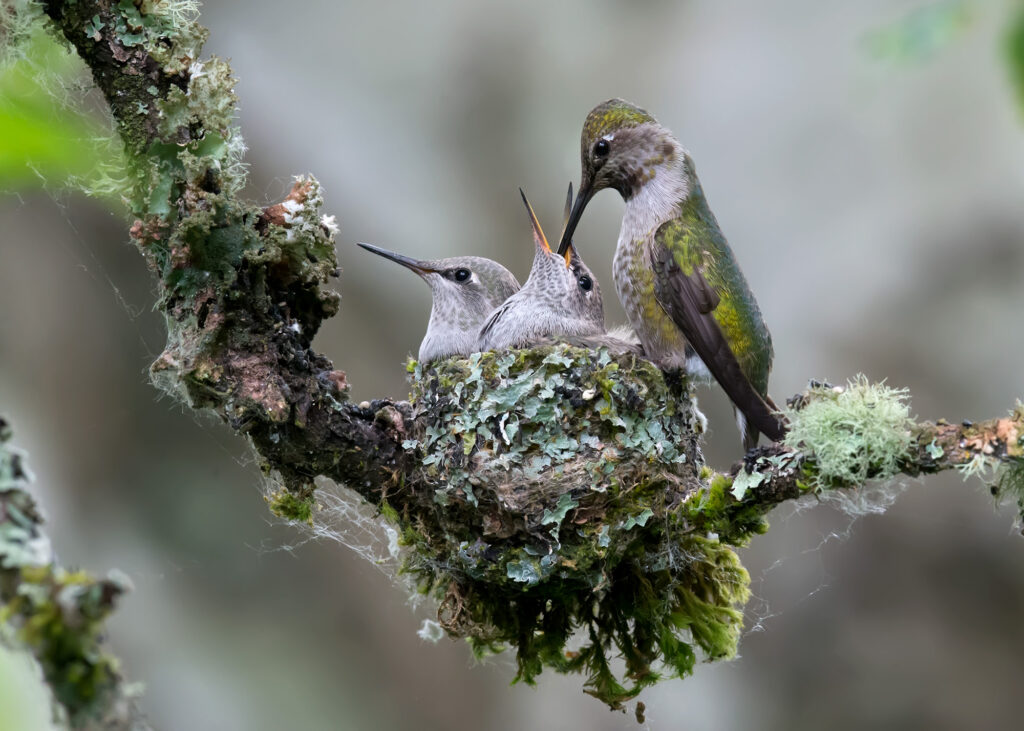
column 57, row 614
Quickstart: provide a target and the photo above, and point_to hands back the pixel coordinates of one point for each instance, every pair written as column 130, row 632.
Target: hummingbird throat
column 656, row 199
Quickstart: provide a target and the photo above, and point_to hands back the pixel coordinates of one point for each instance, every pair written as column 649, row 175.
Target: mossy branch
column 842, row 437
column 242, row 288
column 57, row 614
column 550, row 498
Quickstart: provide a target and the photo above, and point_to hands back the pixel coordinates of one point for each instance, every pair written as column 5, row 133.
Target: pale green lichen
column 195, row 135
column 851, row 434
column 1009, row 486
column 980, row 466
column 208, row 103
column 19, row 21
column 511, row 416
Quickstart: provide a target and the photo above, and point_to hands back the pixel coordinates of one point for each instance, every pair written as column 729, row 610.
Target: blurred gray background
column 865, row 161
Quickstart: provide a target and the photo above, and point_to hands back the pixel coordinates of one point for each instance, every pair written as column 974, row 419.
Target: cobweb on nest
column 343, row 516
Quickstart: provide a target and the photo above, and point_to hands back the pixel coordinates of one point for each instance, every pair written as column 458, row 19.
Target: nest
column 551, row 513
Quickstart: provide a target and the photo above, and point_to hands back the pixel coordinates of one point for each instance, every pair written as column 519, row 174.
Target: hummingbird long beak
column 568, row 209
column 582, row 199
column 420, row 267
column 565, row 222
column 538, row 232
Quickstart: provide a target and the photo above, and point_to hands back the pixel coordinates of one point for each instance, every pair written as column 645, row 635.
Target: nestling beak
column 420, row 267
column 582, row 199
column 538, row 232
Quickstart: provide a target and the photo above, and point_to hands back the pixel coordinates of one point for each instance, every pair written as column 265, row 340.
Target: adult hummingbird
column 674, row 272
column 559, row 302
column 464, row 291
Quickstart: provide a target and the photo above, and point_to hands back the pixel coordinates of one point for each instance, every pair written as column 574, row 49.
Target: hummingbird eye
column 461, row 275
column 586, row 283
column 602, row 148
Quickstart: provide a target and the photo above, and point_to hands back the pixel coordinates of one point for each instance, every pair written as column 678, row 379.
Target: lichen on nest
column 545, row 516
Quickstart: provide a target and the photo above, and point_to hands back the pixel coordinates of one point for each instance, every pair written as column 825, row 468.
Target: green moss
column 388, row 513
column 716, row 510
column 852, row 434
column 288, row 505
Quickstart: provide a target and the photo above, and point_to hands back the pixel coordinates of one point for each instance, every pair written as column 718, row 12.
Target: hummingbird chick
column 464, row 291
column 559, row 302
column 674, row 272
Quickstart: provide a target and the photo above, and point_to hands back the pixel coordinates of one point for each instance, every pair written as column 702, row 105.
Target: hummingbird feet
column 800, row 400
column 754, row 455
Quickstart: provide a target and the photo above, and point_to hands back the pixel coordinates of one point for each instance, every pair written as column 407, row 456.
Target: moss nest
column 548, row 515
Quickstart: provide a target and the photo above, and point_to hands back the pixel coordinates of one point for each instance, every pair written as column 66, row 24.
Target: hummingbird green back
column 675, row 274
column 697, row 243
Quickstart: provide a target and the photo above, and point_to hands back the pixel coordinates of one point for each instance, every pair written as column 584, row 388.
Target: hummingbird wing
column 486, row 340
column 690, row 301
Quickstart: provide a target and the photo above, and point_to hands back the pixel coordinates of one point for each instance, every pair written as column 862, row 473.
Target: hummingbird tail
column 748, row 434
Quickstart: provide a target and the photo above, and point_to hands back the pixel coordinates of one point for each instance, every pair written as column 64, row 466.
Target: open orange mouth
column 538, row 232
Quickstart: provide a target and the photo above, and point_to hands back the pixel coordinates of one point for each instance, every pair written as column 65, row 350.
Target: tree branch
column 57, row 614
column 242, row 289
column 772, row 475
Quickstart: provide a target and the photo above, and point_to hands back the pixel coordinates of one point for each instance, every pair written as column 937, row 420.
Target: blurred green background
column 866, row 161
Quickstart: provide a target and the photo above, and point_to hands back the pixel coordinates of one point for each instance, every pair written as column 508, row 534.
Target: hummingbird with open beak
column 674, row 272
column 559, row 302
column 464, row 291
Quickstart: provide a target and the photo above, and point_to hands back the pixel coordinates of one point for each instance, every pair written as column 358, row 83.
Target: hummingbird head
column 585, row 297
column 559, row 298
column 561, row 283
column 622, row 147
column 464, row 289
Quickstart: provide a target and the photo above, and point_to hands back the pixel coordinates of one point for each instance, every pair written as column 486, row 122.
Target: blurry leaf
column 1015, row 54
column 45, row 140
column 921, row 33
